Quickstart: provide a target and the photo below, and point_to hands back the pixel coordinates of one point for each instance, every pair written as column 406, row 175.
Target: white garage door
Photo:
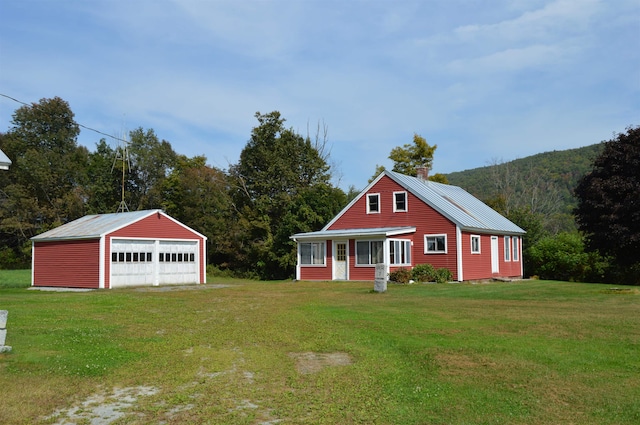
column 132, row 263
column 178, row 262
column 140, row 262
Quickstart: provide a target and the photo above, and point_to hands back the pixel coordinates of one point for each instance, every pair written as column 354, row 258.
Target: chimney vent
column 423, row 173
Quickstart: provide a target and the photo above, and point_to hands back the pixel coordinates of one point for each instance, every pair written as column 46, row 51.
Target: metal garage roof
column 93, row 226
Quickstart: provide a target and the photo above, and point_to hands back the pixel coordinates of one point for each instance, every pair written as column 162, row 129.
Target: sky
column 484, row 80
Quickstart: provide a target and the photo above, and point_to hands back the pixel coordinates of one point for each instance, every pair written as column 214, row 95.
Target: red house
column 119, row 250
column 403, row 221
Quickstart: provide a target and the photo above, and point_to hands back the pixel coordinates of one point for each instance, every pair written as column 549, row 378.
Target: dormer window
column 399, row 201
column 373, row 203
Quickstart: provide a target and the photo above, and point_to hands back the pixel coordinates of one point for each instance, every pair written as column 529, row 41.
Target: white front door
column 495, row 252
column 340, row 265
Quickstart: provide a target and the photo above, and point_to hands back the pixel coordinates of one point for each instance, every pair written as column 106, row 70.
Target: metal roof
column 5, row 162
column 354, row 233
column 93, row 226
column 456, row 204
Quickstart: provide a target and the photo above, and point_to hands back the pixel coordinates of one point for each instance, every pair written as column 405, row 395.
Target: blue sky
column 484, row 80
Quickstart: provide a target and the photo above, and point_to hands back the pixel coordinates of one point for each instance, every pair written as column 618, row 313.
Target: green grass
column 534, row 352
column 15, row 279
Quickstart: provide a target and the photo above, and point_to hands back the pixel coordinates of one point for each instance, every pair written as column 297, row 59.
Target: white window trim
column 324, row 255
column 507, row 249
column 369, row 241
column 406, row 202
column 479, row 251
column 403, row 241
column 435, row 236
column 515, row 255
column 368, row 206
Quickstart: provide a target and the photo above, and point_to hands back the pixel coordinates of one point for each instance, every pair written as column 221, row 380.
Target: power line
column 79, row 125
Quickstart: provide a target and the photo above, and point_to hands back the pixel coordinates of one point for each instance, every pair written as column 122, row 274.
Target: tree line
column 282, row 185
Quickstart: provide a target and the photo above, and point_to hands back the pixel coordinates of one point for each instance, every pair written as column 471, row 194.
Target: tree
column 608, row 210
column 409, row 157
column 198, row 196
column 45, row 187
column 104, row 182
column 276, row 188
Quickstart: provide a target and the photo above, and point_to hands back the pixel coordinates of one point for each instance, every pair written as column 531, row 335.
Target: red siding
column 424, row 218
column 509, row 268
column 476, row 266
column 156, row 226
column 72, row 264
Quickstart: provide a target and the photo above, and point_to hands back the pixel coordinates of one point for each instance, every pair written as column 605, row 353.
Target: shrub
column 423, row 273
column 443, row 275
column 401, row 275
column 562, row 257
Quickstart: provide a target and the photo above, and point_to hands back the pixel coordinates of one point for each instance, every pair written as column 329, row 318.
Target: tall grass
column 503, row 353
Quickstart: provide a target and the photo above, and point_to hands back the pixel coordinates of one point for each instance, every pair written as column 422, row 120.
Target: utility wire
column 79, row 125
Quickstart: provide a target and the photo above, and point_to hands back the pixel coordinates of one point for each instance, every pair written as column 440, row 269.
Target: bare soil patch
column 309, row 362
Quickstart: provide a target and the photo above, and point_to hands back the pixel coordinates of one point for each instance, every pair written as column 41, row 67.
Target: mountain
column 544, row 181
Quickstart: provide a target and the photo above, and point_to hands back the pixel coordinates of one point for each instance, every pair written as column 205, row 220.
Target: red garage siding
column 72, row 264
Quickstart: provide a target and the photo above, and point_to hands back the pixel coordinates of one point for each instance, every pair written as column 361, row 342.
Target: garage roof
column 94, row 226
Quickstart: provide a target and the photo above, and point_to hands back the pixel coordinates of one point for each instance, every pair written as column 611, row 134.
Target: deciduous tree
column 45, row 186
column 608, row 210
column 279, row 187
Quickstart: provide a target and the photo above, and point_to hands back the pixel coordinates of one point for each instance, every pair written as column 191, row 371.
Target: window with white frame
column 399, row 201
column 507, row 248
column 435, row 244
column 373, row 203
column 400, row 252
column 312, row 253
column 369, row 253
column 475, row 244
column 516, row 248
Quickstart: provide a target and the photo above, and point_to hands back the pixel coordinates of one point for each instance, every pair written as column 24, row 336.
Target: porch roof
column 354, row 233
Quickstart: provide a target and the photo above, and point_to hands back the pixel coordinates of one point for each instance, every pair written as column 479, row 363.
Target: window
column 516, row 248
column 507, row 248
column 312, row 253
column 373, row 203
column 114, row 257
column 400, row 252
column 369, row 253
column 399, row 201
column 341, row 252
column 475, row 244
column 435, row 244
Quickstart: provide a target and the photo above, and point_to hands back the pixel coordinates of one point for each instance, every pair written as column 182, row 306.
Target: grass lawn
column 534, row 352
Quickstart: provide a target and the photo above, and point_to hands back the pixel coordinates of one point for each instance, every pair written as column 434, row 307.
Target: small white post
column 3, row 331
column 380, row 284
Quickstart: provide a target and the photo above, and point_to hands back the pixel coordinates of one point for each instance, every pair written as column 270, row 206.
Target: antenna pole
column 125, row 161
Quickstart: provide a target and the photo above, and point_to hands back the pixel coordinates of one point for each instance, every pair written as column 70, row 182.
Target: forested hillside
column 542, row 182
